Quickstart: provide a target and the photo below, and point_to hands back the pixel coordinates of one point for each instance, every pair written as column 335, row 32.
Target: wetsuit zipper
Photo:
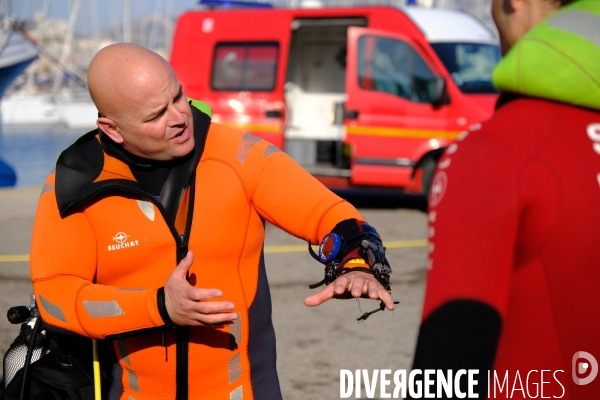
column 183, row 332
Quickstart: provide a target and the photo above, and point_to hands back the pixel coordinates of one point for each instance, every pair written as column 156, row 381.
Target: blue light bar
column 227, row 4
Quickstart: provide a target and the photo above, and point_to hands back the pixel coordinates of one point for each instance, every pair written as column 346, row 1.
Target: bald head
column 119, row 73
column 141, row 102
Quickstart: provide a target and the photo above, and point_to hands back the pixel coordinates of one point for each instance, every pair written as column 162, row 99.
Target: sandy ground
column 313, row 344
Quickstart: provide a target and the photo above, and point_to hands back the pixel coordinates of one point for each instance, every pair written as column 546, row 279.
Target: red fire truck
column 358, row 96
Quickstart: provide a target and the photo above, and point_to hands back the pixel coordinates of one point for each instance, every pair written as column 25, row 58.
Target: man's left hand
column 352, row 284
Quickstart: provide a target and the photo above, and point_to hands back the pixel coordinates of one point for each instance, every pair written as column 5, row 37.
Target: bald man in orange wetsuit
column 117, row 222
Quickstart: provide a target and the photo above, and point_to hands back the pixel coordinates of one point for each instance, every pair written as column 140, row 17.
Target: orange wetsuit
column 103, row 247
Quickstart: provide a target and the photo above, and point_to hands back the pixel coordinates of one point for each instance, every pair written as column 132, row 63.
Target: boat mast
column 67, row 50
column 168, row 27
column 5, row 15
column 126, row 21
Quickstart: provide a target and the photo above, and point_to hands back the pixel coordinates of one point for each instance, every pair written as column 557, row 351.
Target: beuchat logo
column 585, row 368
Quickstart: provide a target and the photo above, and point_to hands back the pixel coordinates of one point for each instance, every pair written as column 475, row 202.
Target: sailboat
column 60, row 106
column 16, row 53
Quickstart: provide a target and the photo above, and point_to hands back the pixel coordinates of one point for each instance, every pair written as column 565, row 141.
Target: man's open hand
column 352, row 284
column 189, row 306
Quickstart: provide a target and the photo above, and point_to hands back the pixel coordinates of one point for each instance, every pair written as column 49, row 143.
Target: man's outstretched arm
column 289, row 197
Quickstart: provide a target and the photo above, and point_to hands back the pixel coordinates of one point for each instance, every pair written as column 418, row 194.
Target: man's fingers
column 373, row 289
column 210, row 307
column 217, row 319
column 187, row 261
column 320, row 297
column 359, row 287
column 341, row 285
column 200, row 294
column 198, row 300
column 188, row 305
column 387, row 299
column 355, row 285
column 183, row 267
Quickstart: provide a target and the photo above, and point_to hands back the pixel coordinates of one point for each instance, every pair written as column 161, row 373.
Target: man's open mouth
column 180, row 133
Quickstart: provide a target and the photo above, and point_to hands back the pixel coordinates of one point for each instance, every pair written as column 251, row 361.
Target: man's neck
column 134, row 161
column 150, row 174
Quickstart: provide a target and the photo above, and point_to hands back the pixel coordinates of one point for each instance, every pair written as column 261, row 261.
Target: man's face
column 156, row 122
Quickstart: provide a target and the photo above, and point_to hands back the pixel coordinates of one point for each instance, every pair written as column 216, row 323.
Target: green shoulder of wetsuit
column 202, row 106
column 559, row 59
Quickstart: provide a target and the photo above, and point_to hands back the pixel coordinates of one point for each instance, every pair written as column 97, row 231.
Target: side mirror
column 439, row 96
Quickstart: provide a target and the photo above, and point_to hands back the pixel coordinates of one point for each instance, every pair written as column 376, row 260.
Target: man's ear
column 507, row 7
column 510, row 6
column 109, row 127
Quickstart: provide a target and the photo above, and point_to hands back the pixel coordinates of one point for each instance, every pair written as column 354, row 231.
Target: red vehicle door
column 389, row 117
column 236, row 62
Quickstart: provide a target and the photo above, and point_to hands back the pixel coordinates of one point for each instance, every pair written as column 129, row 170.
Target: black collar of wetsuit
column 150, row 174
column 78, row 167
column 506, row 98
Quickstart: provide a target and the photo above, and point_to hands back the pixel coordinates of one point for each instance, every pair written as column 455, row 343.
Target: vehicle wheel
column 428, row 167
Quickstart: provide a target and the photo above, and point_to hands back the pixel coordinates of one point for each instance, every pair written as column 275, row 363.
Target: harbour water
column 32, row 152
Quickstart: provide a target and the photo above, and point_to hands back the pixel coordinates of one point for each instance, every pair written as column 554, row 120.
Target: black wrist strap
column 359, row 240
column 162, row 306
column 339, row 272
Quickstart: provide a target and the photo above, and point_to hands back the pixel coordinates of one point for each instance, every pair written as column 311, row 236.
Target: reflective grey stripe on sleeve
column 236, row 331
column 53, row 309
column 102, row 309
column 579, row 22
column 235, row 368
column 126, row 289
column 123, row 351
column 133, row 381
column 271, row 150
column 47, row 188
column 237, row 394
column 246, row 144
column 131, row 398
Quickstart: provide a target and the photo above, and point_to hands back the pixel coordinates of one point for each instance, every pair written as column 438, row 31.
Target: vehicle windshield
column 470, row 64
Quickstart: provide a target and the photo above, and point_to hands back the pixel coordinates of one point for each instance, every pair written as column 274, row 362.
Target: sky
column 97, row 14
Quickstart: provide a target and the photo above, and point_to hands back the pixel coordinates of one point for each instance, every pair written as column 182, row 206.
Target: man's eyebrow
column 156, row 113
column 179, row 92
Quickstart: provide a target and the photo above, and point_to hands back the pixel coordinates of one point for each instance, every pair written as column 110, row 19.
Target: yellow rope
column 97, row 391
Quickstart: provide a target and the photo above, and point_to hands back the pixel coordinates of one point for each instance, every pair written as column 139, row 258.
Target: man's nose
column 176, row 117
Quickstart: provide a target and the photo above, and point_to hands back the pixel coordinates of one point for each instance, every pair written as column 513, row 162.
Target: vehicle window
column 423, row 80
column 470, row 64
column 392, row 66
column 384, row 65
column 245, row 66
